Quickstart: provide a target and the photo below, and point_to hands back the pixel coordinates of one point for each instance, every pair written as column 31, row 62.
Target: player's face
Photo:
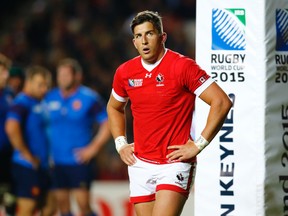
column 4, row 73
column 65, row 77
column 148, row 42
column 39, row 86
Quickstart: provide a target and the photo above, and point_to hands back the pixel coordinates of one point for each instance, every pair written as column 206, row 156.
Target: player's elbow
column 225, row 105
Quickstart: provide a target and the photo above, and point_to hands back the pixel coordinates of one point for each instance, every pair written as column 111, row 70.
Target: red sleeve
column 191, row 76
column 119, row 82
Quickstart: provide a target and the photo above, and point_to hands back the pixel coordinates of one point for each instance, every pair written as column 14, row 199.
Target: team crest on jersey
column 135, row 82
column 77, row 104
column 160, row 79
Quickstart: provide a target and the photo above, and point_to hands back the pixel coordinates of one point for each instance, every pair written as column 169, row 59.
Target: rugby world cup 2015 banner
column 276, row 113
column 243, row 46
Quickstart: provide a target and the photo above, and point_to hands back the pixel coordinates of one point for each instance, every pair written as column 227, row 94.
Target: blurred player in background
column 25, row 126
column 6, row 98
column 73, row 112
column 162, row 86
column 16, row 79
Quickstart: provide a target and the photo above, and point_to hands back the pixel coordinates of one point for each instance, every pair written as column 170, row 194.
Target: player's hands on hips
column 126, row 154
column 183, row 152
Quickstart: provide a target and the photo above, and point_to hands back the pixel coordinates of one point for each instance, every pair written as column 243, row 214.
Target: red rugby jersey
column 162, row 102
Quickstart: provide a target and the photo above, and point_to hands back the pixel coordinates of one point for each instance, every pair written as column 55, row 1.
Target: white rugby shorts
column 148, row 178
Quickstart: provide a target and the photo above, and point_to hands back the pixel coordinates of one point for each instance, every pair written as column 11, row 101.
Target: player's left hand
column 183, row 152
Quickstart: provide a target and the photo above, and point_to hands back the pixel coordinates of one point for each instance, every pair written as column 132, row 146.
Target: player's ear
column 133, row 40
column 163, row 37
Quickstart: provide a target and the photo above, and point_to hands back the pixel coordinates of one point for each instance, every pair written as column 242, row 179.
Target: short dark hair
column 33, row 70
column 73, row 63
column 148, row 16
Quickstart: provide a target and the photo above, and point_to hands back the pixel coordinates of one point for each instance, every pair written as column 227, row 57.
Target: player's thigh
column 168, row 203
column 144, row 208
column 25, row 206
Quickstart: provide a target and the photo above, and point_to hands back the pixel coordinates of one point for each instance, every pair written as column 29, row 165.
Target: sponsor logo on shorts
column 35, row 191
column 180, row 179
column 152, row 181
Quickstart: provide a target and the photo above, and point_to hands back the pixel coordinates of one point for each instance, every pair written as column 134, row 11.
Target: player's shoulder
column 89, row 95
column 7, row 96
column 52, row 93
column 86, row 91
column 130, row 64
column 179, row 58
column 22, row 100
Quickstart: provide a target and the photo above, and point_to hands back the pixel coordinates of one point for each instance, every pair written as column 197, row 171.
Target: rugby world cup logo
column 228, row 29
column 282, row 29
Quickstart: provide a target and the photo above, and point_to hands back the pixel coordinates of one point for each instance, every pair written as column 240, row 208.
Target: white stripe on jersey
column 205, row 85
column 118, row 97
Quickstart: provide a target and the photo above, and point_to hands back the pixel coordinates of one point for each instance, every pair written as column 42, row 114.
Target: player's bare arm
column 85, row 154
column 220, row 105
column 13, row 130
column 116, row 121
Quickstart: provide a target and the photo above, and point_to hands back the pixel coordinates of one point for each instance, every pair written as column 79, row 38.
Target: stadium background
column 95, row 32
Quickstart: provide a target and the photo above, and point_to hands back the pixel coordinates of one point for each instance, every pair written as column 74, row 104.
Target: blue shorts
column 30, row 183
column 72, row 176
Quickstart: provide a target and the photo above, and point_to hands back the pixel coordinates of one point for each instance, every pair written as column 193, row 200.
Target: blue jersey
column 6, row 98
column 71, row 120
column 29, row 113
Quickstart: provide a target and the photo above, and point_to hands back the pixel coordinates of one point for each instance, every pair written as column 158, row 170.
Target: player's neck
column 66, row 92
column 150, row 67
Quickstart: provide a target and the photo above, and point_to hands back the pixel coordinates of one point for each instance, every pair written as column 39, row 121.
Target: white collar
column 150, row 67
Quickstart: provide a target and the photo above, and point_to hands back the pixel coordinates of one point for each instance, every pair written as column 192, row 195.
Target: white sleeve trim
column 201, row 88
column 118, row 97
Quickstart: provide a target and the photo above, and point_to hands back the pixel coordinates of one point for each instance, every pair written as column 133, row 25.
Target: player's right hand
column 126, row 154
column 32, row 159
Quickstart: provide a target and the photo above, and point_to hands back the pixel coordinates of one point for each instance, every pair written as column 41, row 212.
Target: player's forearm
column 216, row 117
column 102, row 136
column 116, row 121
column 15, row 136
